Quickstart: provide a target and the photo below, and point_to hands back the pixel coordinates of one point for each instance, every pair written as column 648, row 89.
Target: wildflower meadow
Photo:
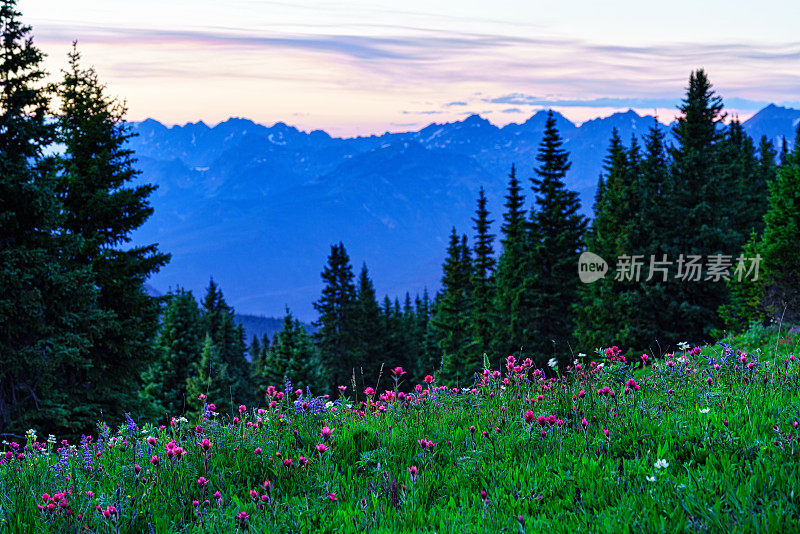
column 703, row 440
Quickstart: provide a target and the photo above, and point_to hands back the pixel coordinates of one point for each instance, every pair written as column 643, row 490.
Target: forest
column 81, row 339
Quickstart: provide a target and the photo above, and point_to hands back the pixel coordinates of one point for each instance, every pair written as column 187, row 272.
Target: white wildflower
column 552, row 363
column 683, row 345
column 651, row 479
column 661, row 464
column 705, row 410
column 328, row 405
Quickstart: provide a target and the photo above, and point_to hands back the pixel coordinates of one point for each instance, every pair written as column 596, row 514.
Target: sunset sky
column 363, row 67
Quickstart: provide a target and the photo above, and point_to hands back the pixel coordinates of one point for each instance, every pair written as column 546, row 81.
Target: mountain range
column 257, row 207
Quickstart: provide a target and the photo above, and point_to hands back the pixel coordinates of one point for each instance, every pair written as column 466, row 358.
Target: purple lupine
column 206, row 411
column 88, row 461
column 63, row 460
column 139, row 452
column 131, row 423
column 287, row 384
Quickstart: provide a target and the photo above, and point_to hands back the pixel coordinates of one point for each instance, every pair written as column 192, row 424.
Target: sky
column 354, row 67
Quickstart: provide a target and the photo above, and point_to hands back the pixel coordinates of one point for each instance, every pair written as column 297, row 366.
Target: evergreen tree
column 452, row 316
column 780, row 242
column 294, row 356
column 702, row 225
column 47, row 314
column 368, row 348
column 650, row 327
column 177, row 347
column 742, row 174
column 603, row 313
column 210, row 377
column 103, row 209
column 259, row 360
column 482, row 319
column 430, row 356
column 511, row 318
column 336, row 308
column 556, row 233
column 413, row 335
column 229, row 346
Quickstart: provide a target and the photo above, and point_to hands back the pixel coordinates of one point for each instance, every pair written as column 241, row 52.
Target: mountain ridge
column 258, row 206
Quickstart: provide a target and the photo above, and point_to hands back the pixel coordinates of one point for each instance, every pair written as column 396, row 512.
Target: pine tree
column 452, row 316
column 210, row 377
column 702, row 225
column 368, row 349
column 511, row 275
column 177, row 347
column 229, row 346
column 780, row 242
column 430, row 355
column 294, row 356
column 482, row 319
column 259, row 360
column 103, row 209
column 47, row 302
column 556, row 236
column 651, row 328
column 739, row 164
column 603, row 313
column 336, row 307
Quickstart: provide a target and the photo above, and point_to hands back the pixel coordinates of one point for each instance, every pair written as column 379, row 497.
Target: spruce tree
column 511, row 316
column 779, row 246
column 102, row 208
column 430, row 355
column 482, row 320
column 556, row 232
column 336, row 308
column 48, row 317
column 259, row 360
column 368, row 348
column 603, row 313
column 293, row 355
column 227, row 336
column 210, row 378
column 452, row 316
column 178, row 347
column 702, row 225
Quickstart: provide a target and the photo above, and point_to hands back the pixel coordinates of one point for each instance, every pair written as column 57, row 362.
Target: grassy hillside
column 703, row 441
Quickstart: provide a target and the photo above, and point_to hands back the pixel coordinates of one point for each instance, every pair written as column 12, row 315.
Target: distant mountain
column 776, row 123
column 258, row 206
column 257, row 325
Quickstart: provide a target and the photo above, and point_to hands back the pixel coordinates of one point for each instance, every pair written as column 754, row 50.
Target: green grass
column 734, row 468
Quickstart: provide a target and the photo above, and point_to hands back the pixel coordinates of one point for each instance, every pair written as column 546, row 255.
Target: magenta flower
column 322, row 448
column 428, row 379
column 398, row 372
column 202, row 481
column 529, row 417
column 413, row 471
column 257, row 450
column 242, row 408
column 205, row 444
column 332, row 496
column 369, row 391
column 326, row 432
column 584, row 423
